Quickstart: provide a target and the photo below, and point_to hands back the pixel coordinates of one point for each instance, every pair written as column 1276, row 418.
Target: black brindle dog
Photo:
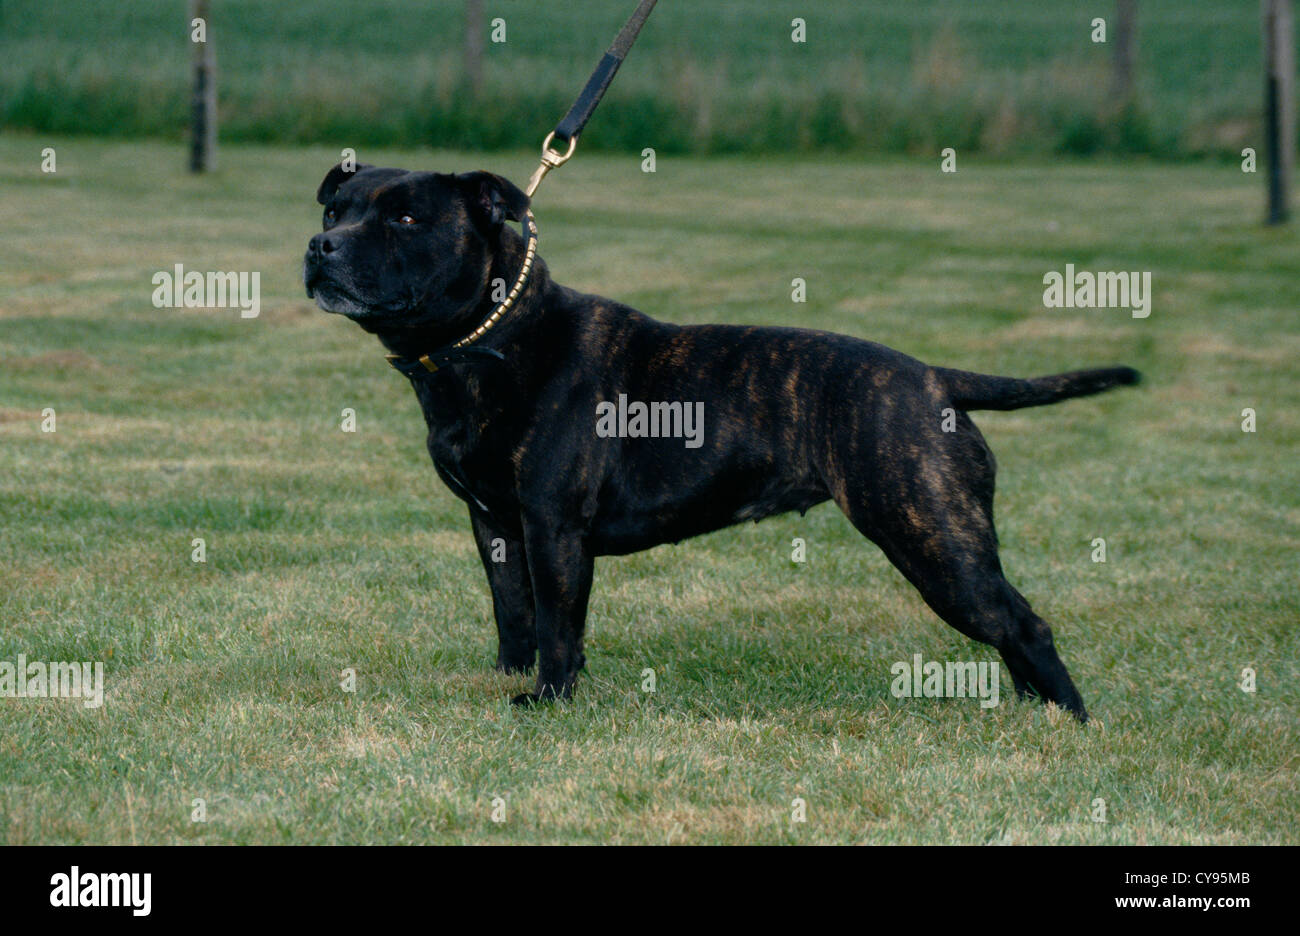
column 791, row 418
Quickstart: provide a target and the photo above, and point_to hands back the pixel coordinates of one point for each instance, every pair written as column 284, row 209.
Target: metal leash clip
column 551, row 159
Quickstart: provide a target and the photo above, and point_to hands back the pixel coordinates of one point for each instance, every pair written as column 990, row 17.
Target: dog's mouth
column 337, row 300
column 331, row 298
column 310, row 277
column 329, row 295
column 341, row 298
column 313, row 277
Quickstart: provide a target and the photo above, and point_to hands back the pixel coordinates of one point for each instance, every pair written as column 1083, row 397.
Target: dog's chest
column 469, row 451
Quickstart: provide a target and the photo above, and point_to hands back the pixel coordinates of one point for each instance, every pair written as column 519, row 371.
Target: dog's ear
column 493, row 198
column 336, row 177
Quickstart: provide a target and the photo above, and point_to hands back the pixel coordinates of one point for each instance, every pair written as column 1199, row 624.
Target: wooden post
column 1279, row 106
column 203, row 103
column 474, row 47
column 1125, row 49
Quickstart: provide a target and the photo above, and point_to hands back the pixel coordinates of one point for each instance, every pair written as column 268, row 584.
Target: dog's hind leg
column 930, row 508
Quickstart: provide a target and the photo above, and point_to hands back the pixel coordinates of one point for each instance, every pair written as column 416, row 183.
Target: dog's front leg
column 512, row 593
column 561, row 569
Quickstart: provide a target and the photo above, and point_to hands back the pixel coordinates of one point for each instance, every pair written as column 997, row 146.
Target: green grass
column 874, row 75
column 329, row 550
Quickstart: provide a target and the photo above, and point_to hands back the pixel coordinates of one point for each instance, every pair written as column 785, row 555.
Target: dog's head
column 404, row 249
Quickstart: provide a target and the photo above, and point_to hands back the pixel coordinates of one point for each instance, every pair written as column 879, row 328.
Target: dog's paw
column 526, row 698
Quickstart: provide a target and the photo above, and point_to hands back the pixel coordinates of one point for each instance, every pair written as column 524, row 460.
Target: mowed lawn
column 329, row 551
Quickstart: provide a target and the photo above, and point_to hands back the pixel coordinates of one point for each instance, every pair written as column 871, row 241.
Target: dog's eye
column 404, row 219
column 330, row 216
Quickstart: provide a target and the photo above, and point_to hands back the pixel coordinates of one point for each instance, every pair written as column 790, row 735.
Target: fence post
column 203, row 103
column 1279, row 106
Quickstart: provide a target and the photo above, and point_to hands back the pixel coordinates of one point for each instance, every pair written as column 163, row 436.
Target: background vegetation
column 1011, row 77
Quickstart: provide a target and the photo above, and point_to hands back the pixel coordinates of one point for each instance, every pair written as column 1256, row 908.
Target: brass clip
column 551, row 159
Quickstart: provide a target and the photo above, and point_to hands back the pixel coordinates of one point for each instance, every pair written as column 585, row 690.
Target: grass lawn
column 329, row 550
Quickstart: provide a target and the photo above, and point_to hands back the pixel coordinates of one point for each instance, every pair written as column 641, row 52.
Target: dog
column 530, row 424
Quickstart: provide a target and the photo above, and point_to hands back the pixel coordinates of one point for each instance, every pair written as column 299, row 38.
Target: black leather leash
column 582, row 109
column 567, row 131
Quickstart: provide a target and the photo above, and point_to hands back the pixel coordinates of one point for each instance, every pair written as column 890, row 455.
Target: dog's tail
column 983, row 391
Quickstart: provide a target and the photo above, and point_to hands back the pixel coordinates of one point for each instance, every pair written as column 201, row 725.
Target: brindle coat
column 793, row 417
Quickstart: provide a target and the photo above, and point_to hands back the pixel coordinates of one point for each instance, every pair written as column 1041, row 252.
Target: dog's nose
column 320, row 244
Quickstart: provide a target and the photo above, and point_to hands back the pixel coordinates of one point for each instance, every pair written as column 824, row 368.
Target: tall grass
column 1012, row 77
